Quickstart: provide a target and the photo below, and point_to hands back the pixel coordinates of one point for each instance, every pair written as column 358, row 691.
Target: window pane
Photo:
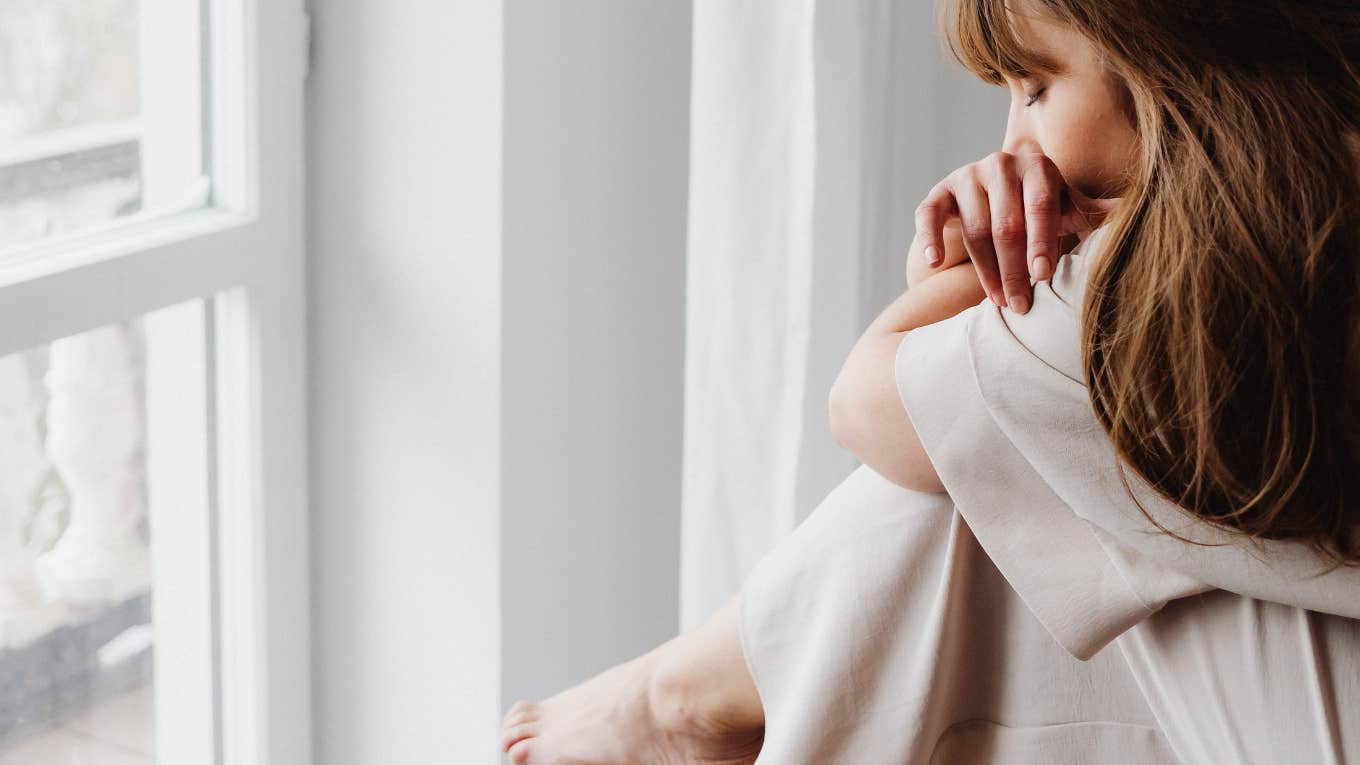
column 105, row 537
column 101, row 113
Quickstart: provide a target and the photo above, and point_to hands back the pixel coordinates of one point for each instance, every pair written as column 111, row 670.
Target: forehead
column 1034, row 28
column 1037, row 30
column 1003, row 39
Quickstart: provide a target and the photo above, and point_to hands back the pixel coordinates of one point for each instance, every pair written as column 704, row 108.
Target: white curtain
column 815, row 132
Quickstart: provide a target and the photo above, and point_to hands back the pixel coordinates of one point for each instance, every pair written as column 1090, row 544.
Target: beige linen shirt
column 897, row 626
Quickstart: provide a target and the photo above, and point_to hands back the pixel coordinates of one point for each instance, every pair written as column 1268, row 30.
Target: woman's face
column 1077, row 117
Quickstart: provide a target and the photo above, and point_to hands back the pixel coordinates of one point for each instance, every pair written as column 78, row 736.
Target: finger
column 1008, row 229
column 931, row 216
column 1081, row 214
column 976, row 216
column 1043, row 186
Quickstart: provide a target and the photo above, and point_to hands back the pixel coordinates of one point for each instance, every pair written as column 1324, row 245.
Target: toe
column 520, row 712
column 522, row 753
column 514, row 734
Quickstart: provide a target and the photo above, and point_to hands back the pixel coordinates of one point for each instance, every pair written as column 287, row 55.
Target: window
column 101, row 114
column 152, row 495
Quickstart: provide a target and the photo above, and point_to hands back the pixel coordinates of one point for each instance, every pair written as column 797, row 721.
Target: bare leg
column 689, row 700
column 705, row 670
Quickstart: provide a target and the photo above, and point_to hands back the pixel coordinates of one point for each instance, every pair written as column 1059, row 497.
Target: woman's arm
column 867, row 417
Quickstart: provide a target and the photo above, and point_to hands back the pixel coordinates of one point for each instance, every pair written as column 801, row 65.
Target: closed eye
column 1037, row 94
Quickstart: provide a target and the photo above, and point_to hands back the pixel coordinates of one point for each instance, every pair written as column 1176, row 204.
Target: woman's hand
column 954, row 254
column 1011, row 209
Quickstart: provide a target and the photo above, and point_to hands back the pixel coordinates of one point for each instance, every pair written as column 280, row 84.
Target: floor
column 120, row 732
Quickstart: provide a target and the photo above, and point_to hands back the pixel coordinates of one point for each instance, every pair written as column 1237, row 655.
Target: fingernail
column 932, row 256
column 1043, row 267
column 1019, row 303
column 999, row 299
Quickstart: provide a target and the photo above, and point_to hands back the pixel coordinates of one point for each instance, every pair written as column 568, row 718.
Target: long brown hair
column 1220, row 323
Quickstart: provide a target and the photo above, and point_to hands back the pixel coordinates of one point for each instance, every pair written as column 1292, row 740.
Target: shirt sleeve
column 999, row 403
column 1049, row 555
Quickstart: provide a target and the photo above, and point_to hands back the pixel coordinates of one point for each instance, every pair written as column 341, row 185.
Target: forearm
column 933, row 299
column 867, row 418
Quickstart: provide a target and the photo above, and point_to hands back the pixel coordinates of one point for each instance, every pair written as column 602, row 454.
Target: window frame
column 245, row 255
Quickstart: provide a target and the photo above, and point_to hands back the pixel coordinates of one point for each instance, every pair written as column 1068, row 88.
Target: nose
column 1018, row 139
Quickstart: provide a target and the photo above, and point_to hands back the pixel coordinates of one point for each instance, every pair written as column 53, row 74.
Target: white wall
column 596, row 183
column 405, row 380
column 497, row 201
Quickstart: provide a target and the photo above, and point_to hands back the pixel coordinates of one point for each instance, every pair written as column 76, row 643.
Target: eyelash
column 1037, row 94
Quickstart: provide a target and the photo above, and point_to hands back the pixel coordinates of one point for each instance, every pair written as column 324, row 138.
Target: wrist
column 945, row 293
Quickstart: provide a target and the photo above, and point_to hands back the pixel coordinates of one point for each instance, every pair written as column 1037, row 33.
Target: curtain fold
column 748, row 288
column 811, row 141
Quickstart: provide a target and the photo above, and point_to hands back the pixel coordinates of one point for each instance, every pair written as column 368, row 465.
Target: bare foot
column 688, row 701
column 620, row 717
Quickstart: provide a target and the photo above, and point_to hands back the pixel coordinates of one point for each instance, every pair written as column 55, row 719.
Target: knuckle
column 937, row 196
column 1041, row 171
column 1038, row 161
column 935, row 202
column 1008, row 229
column 1041, row 202
column 976, row 232
column 1039, row 247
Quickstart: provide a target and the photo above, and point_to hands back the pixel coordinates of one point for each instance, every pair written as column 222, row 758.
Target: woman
column 1147, row 549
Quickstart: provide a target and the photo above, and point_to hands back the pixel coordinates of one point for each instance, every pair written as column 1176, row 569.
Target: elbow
column 850, row 404
column 842, row 415
column 836, row 414
column 916, row 272
column 882, row 438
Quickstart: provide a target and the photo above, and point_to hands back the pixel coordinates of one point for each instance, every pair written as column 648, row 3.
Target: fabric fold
column 880, row 631
column 997, row 394
column 1008, row 506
